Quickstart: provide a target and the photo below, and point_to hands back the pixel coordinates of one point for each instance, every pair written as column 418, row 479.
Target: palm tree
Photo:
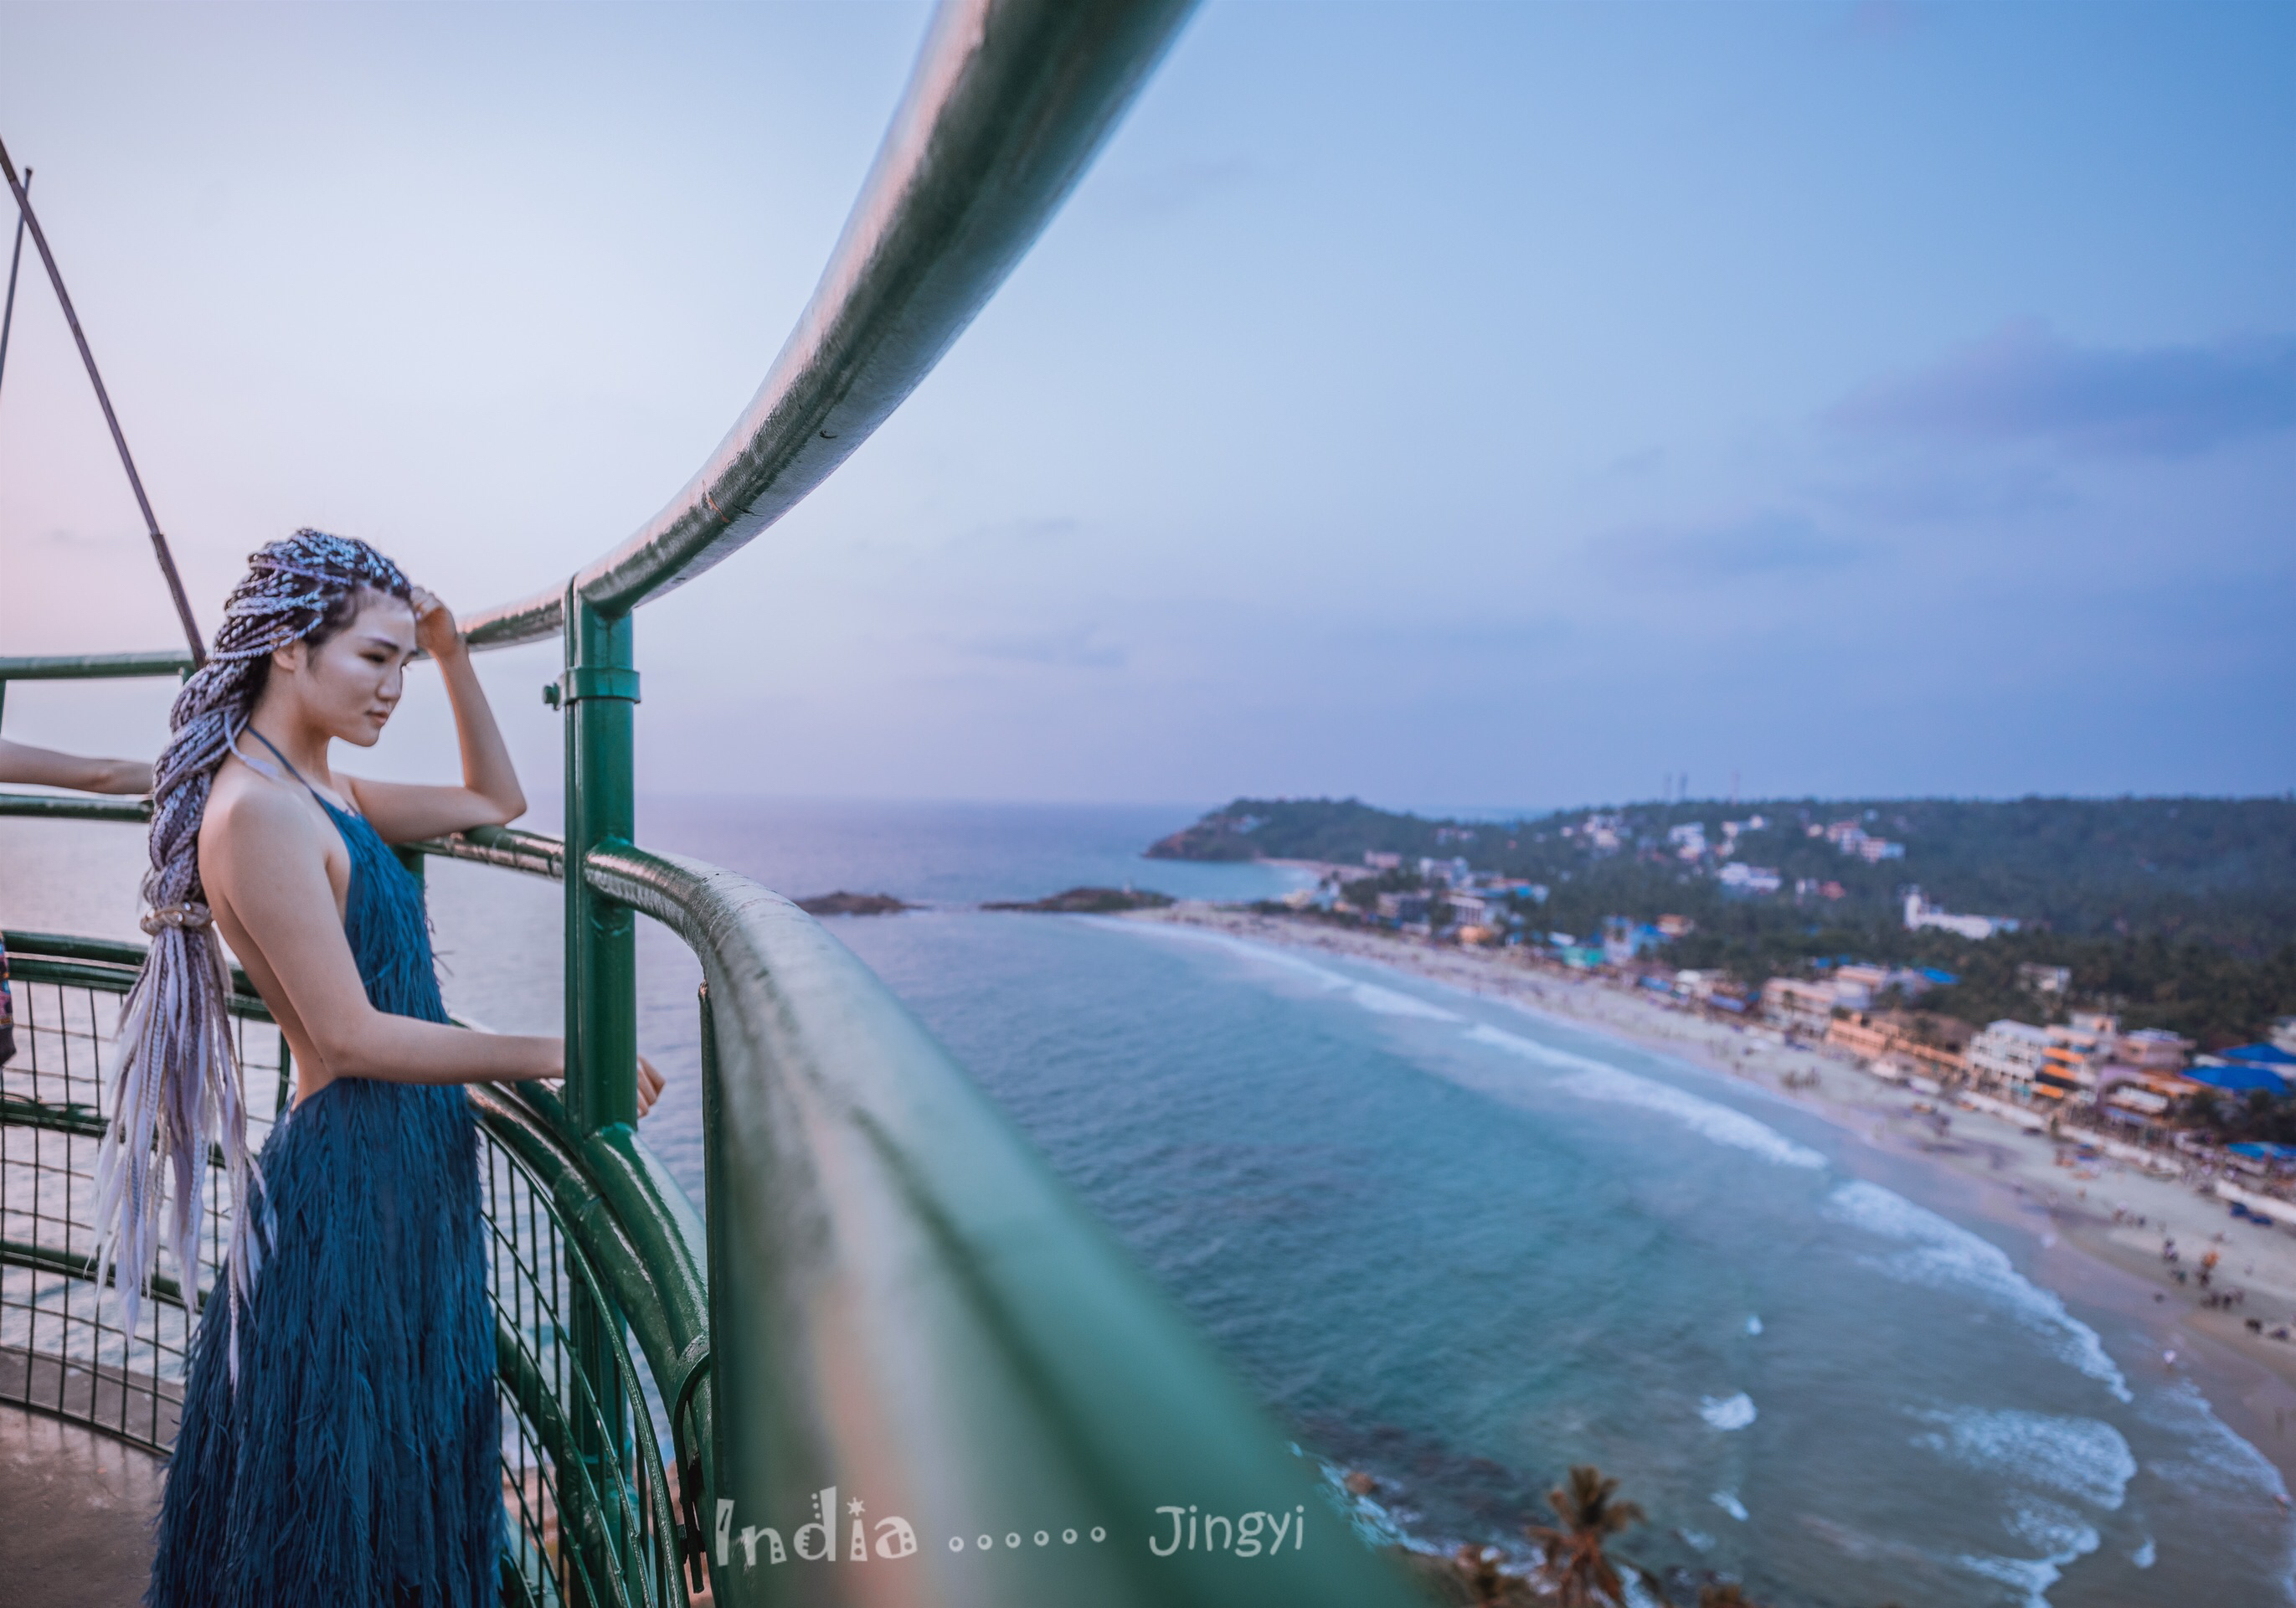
column 1582, row 1575
column 1479, row 1572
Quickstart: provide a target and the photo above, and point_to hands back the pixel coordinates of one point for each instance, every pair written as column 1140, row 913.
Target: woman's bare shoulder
column 245, row 809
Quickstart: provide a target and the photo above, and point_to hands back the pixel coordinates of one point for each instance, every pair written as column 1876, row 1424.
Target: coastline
column 1983, row 1163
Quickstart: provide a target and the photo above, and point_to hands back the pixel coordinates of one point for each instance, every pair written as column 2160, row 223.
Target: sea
column 1454, row 1244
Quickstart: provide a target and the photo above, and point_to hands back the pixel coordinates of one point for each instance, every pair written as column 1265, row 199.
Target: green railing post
column 598, row 695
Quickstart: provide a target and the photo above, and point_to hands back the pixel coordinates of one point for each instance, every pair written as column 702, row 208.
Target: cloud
column 1767, row 544
column 2027, row 384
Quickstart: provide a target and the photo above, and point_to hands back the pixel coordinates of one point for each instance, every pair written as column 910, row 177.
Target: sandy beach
column 2101, row 1227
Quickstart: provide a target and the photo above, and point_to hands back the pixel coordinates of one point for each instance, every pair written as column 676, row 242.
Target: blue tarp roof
column 2260, row 1054
column 2238, row 1080
column 2257, row 1150
column 1944, row 979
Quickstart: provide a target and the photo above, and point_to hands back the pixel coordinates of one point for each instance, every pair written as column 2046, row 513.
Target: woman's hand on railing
column 649, row 1086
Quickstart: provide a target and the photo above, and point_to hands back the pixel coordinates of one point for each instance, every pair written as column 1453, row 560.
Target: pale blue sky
column 1502, row 404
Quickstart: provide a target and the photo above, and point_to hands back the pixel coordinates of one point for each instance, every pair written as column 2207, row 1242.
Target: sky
column 1447, row 404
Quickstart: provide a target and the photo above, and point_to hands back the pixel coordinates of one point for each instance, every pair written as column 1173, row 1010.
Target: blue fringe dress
column 356, row 1461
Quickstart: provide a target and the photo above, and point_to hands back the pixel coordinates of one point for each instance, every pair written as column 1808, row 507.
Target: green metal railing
column 586, row 1529
column 899, row 1362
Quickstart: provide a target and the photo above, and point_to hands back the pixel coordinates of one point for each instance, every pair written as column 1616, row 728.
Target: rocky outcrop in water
column 841, row 903
column 1091, row 902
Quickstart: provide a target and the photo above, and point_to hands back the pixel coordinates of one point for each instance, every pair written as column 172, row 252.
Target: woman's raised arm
column 489, row 796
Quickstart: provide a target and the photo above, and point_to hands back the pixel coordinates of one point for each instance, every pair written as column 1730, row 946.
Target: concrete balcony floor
column 76, row 1515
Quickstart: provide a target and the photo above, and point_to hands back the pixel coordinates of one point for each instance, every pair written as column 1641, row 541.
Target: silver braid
column 176, row 1085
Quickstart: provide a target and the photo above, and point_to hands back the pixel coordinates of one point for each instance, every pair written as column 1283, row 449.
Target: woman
column 340, row 1438
column 22, row 762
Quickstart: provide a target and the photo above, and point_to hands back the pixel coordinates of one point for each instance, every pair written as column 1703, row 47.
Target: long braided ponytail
column 176, row 1085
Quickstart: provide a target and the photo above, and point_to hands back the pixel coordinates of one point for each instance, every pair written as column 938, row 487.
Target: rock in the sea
column 841, row 903
column 1091, row 901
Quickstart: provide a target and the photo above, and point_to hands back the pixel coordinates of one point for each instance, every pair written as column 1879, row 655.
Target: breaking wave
column 1941, row 1255
column 1592, row 1079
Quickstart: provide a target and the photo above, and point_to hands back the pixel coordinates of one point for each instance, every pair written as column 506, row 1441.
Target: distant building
column 1600, row 830
column 1873, row 981
column 1405, row 907
column 1453, row 873
column 2156, row 1050
column 1740, row 878
column 2044, row 979
column 1379, row 860
column 1801, row 1005
column 1676, row 926
column 1475, row 910
column 2075, row 1054
column 1623, row 939
column 2007, row 1056
column 2145, row 1072
column 2284, row 1034
column 1900, row 1042
column 1920, row 914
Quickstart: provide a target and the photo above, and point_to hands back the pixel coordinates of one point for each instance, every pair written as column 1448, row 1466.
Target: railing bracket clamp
column 592, row 681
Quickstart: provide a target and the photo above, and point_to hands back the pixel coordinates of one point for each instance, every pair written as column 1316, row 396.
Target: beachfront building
column 1477, row 910
column 2145, row 1073
column 1694, row 984
column 2007, row 1056
column 1405, row 907
column 1901, row 1044
column 2154, row 1050
column 2076, row 1053
column 1800, row 1004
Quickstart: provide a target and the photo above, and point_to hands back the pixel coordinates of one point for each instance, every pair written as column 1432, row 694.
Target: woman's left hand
column 649, row 1086
column 435, row 630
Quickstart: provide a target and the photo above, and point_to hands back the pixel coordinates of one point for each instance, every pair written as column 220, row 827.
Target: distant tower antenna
column 27, row 218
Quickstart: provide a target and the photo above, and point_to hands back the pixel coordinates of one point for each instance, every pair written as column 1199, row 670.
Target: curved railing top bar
column 1008, row 102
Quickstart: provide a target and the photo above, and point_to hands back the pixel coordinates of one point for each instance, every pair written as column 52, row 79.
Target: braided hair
column 176, row 1084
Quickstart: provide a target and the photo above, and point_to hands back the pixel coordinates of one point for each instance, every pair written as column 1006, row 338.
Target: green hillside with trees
column 2180, row 912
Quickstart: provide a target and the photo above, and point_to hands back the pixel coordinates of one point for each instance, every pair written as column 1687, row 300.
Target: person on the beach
column 340, row 1441
column 22, row 762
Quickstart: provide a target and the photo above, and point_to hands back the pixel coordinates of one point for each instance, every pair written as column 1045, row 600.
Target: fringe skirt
column 357, row 1460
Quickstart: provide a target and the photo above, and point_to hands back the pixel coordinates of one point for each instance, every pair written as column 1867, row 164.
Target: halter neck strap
column 283, row 758
column 292, row 771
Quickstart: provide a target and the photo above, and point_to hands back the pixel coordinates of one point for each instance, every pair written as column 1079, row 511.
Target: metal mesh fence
column 589, row 1519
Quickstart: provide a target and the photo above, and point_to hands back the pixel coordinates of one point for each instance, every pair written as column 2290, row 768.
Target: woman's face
column 350, row 684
